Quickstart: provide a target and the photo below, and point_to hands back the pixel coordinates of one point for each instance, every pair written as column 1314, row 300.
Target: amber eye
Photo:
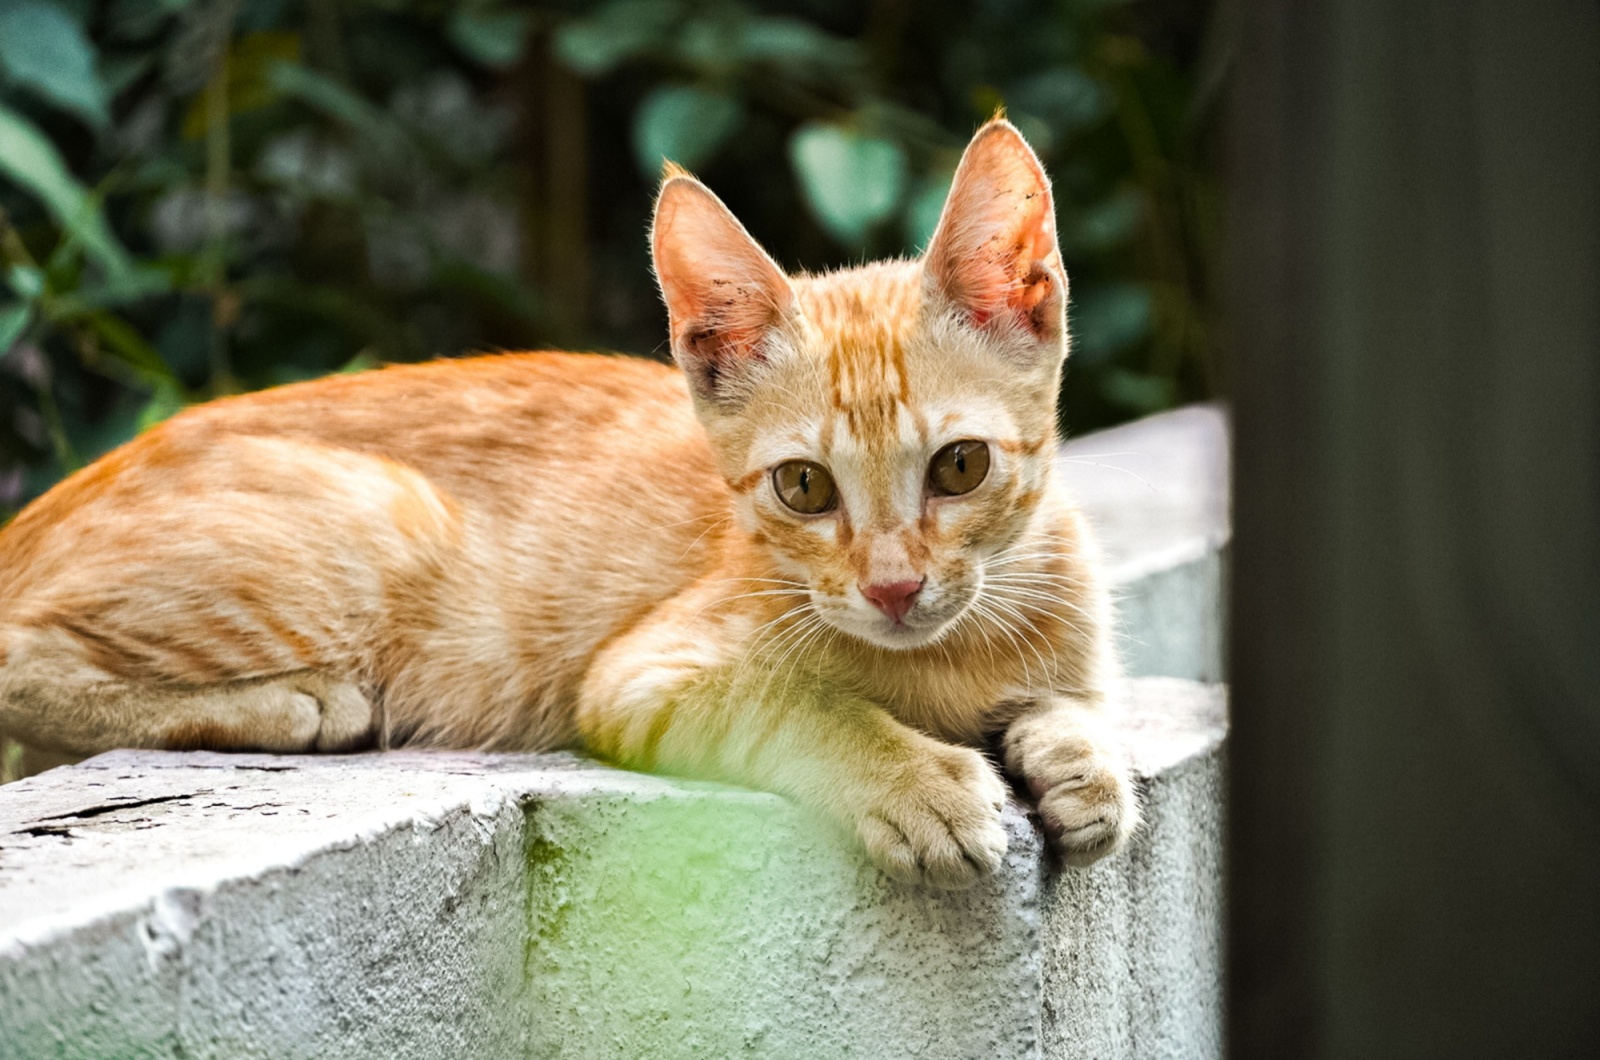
column 804, row 486
column 958, row 468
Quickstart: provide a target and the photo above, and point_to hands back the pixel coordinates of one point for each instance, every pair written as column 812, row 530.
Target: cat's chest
column 943, row 699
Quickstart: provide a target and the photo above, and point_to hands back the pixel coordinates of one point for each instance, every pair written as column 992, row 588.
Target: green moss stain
column 546, row 900
column 653, row 925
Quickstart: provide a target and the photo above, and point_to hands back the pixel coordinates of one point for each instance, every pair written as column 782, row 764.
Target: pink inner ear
column 998, row 292
column 723, row 293
column 726, row 329
column 1011, row 272
column 995, row 251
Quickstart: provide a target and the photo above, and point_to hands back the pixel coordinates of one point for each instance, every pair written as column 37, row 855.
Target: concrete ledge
column 1157, row 491
column 1132, row 948
column 457, row 905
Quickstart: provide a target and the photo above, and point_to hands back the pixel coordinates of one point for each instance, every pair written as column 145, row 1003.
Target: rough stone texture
column 464, row 905
column 1133, row 950
column 455, row 905
column 1133, row 945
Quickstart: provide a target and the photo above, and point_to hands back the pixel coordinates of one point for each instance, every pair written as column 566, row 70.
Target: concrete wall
column 459, row 905
column 1158, row 493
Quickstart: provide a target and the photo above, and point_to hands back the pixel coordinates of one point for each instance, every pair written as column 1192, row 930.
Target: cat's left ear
column 725, row 296
column 994, row 254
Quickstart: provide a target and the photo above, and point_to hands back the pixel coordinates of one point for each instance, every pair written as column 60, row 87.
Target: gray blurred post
column 1416, row 654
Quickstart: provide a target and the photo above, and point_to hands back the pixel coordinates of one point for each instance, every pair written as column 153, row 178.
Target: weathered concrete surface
column 1157, row 492
column 457, row 905
column 1133, row 945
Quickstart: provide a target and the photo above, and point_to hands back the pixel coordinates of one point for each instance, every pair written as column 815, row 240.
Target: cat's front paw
column 937, row 819
column 1082, row 787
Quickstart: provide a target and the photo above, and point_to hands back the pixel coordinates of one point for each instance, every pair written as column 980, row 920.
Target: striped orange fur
column 541, row 550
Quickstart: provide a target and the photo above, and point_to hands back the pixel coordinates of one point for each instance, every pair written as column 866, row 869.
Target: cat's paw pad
column 938, row 821
column 1084, row 794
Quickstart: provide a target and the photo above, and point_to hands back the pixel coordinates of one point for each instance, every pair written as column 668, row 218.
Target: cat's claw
column 938, row 823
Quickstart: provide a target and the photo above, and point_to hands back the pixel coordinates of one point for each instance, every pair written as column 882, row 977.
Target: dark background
column 1414, row 277
column 206, row 197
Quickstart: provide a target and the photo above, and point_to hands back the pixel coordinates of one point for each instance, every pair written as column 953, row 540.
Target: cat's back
column 475, row 420
column 517, row 443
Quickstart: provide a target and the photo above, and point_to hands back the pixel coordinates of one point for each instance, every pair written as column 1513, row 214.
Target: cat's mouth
column 900, row 635
column 924, row 625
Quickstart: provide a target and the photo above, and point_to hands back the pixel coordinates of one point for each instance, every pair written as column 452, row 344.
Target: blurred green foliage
column 204, row 196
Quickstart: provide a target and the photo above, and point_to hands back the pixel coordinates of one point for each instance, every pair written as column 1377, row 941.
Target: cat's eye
column 804, row 486
column 958, row 468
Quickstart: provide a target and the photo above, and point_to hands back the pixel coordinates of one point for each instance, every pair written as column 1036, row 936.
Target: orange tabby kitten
column 827, row 558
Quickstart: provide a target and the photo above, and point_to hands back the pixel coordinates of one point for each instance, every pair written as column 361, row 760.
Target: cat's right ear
column 724, row 294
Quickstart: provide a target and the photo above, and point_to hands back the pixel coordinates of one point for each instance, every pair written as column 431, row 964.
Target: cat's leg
column 1077, row 772
column 302, row 711
column 51, row 699
column 225, row 595
column 668, row 697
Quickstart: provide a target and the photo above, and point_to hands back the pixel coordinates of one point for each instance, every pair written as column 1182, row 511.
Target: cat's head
column 887, row 430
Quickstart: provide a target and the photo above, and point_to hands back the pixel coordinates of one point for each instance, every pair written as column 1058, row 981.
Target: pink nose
column 893, row 598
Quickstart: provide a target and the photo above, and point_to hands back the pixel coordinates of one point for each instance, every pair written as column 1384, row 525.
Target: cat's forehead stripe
column 867, row 368
column 863, row 318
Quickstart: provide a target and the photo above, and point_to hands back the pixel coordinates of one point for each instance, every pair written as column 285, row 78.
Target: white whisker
column 1114, row 467
column 714, row 526
column 1024, row 627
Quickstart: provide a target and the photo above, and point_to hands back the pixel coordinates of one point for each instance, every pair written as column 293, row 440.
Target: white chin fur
column 884, row 634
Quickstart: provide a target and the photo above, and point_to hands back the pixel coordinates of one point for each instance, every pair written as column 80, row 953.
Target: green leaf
column 165, row 402
column 1108, row 317
column 26, row 280
column 14, row 320
column 684, row 124
column 44, row 51
column 786, row 41
column 340, row 103
column 361, row 362
column 33, row 163
column 325, row 94
column 141, row 282
column 1139, row 392
column 617, row 32
column 850, row 181
column 924, row 209
column 129, row 347
column 493, row 38
column 709, row 45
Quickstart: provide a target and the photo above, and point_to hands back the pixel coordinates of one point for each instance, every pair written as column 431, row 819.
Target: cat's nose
column 893, row 598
